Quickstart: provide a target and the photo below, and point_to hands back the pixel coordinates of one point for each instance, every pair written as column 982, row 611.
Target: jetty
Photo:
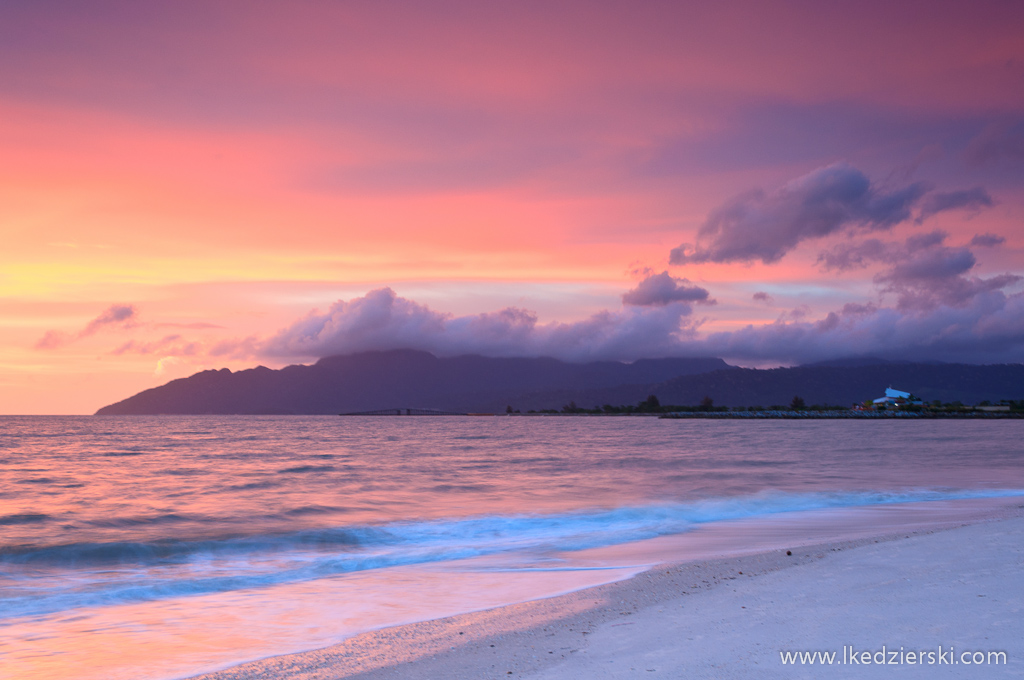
column 405, row 412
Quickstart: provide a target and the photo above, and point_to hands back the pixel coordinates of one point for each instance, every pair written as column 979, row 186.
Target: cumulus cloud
column 935, row 275
column 760, row 226
column 853, row 255
column 943, row 313
column 987, row 240
column 923, row 271
column 664, row 289
column 966, row 199
column 962, row 318
column 936, row 279
column 382, row 320
column 122, row 316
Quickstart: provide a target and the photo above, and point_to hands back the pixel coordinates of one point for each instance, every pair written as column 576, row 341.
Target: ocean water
column 161, row 547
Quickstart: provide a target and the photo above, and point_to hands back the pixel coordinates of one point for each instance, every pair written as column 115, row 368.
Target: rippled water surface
column 107, row 518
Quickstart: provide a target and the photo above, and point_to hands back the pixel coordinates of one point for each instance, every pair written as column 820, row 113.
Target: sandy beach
column 941, row 591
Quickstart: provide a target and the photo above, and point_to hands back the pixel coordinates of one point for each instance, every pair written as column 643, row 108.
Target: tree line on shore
column 652, row 405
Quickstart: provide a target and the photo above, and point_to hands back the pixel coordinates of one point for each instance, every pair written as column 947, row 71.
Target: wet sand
column 959, row 585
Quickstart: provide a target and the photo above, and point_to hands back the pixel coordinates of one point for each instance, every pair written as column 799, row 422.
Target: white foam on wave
column 59, row 579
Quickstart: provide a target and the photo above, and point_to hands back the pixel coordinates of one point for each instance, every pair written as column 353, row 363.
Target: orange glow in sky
column 222, row 171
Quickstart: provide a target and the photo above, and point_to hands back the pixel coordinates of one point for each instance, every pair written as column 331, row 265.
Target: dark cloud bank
column 936, row 310
column 940, row 314
column 654, row 325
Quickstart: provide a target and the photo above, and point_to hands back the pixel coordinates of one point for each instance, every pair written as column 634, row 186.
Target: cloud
column 760, row 226
column 853, row 255
column 762, row 296
column 923, row 272
column 943, row 314
column 382, row 320
column 932, row 265
column 936, row 279
column 53, row 340
column 989, row 328
column 166, row 364
column 966, row 199
column 664, row 289
column 122, row 316
column 114, row 315
column 942, row 311
column 933, row 276
column 987, row 240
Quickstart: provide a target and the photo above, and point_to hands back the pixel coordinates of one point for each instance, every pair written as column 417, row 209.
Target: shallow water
column 163, row 535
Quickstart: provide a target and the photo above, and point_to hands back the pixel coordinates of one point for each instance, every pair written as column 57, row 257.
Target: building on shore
column 892, row 399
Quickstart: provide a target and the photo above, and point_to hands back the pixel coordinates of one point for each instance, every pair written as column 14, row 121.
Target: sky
column 198, row 185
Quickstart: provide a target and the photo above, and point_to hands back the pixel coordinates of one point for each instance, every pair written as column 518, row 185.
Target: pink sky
column 184, row 185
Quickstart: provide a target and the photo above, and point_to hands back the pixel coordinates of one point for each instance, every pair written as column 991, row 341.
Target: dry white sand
column 729, row 618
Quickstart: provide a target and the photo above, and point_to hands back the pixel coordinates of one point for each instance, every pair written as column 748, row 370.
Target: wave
column 23, row 518
column 39, row 580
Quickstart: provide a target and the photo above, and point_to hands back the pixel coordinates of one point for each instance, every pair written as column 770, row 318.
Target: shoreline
column 845, row 415
column 728, row 415
column 534, row 637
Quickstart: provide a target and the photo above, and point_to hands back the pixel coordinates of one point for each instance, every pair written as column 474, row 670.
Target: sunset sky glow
column 198, row 185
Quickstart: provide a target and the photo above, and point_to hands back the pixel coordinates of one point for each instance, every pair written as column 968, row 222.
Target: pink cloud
column 115, row 316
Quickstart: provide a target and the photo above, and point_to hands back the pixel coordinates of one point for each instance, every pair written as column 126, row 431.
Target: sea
column 151, row 548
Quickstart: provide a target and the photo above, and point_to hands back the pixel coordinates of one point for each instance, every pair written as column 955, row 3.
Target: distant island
column 410, row 379
column 370, row 381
